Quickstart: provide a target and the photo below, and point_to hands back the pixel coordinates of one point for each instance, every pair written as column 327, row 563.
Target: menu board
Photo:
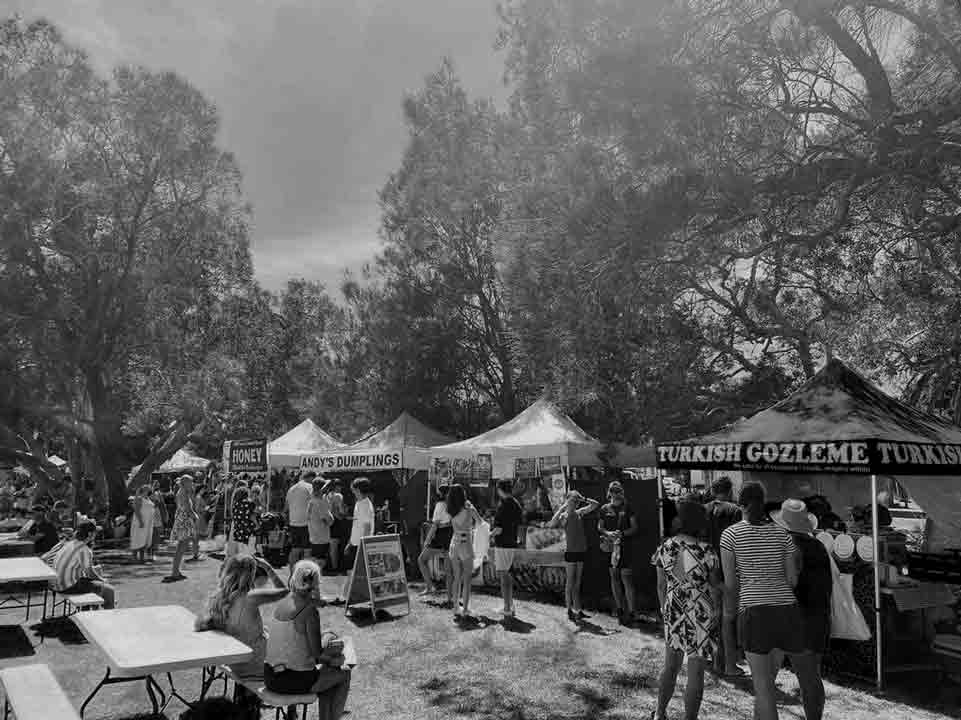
column 525, row 468
column 378, row 577
column 462, row 470
column 483, row 469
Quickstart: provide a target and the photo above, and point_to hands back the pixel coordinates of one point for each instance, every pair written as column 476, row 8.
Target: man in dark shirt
column 507, row 521
column 721, row 514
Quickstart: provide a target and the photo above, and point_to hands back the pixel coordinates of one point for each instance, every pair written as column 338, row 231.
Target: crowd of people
column 741, row 584
column 744, row 578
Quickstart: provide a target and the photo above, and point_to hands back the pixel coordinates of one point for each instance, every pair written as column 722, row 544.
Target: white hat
column 794, row 516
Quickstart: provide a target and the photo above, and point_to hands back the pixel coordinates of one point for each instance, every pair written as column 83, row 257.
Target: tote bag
column 847, row 622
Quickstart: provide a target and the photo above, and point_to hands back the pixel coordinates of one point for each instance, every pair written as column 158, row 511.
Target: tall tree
column 123, row 228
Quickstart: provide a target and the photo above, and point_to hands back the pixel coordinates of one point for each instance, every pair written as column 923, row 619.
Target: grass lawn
column 423, row 666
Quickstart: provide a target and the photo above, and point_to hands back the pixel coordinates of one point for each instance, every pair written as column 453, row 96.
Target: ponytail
column 751, row 499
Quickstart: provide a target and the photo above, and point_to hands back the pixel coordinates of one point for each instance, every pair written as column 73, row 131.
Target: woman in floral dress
column 185, row 524
column 688, row 585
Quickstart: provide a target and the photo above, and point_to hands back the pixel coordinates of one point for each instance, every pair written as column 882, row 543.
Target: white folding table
column 24, row 575
column 141, row 642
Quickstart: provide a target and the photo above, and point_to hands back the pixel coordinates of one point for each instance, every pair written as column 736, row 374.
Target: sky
column 310, row 98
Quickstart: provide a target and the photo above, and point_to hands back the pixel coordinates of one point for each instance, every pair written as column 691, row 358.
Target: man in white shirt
column 297, row 498
column 363, row 524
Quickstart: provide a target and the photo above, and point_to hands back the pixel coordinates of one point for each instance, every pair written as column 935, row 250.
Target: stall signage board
column 378, row 578
column 334, row 462
column 483, row 469
column 839, row 456
column 246, row 456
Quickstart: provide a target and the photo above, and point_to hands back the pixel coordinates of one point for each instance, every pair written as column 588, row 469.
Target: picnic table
column 139, row 643
column 24, row 575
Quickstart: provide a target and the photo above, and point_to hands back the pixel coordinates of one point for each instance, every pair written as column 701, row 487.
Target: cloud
column 310, row 97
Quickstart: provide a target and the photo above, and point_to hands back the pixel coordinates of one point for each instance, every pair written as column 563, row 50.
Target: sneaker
column 581, row 615
column 572, row 616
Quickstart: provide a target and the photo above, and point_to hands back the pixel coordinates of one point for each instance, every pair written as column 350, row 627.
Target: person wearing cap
column 570, row 516
column 618, row 527
column 688, row 580
column 813, row 592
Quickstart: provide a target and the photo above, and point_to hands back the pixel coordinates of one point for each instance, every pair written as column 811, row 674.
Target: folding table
column 141, row 642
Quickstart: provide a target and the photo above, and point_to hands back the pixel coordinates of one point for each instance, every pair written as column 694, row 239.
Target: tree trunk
column 170, row 441
column 108, row 443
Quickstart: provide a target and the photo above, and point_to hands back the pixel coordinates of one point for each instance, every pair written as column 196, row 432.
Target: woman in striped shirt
column 760, row 573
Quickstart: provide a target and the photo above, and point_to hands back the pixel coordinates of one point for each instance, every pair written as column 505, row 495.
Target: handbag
column 847, row 622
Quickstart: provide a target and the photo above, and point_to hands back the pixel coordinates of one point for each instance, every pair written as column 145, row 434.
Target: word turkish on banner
column 246, row 455
column 882, row 457
column 372, row 461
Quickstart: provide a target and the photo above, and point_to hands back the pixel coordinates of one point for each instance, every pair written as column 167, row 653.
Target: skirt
column 184, row 527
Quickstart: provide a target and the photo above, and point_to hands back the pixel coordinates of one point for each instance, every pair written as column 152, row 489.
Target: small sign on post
column 378, row 578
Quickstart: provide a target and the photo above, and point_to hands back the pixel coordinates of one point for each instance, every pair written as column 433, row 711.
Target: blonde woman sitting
column 297, row 660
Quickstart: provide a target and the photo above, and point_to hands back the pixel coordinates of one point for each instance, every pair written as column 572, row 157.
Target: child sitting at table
column 297, row 661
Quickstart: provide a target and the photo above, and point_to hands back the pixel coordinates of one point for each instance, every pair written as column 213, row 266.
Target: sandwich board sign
column 378, row 579
column 245, row 456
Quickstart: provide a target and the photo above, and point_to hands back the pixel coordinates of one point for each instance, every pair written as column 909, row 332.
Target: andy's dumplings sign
column 847, row 456
column 370, row 461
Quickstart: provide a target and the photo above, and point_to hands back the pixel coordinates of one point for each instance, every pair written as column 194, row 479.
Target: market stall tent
column 540, row 431
column 305, row 439
column 836, row 426
column 181, row 461
column 404, row 444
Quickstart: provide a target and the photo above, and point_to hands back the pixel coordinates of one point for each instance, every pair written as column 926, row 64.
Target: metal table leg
column 150, row 683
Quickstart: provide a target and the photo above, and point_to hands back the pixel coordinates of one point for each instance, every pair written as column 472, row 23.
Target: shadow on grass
column 60, row 628
column 14, row 642
column 516, row 625
column 590, row 628
column 362, row 617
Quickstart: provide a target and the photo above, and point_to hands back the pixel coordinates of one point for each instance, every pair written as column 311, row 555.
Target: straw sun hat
column 794, row 516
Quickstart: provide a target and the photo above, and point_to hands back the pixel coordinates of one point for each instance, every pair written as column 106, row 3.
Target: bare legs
column 572, row 586
column 178, row 558
column 693, row 692
column 622, row 584
column 423, row 562
column 334, row 554
column 762, row 675
column 807, row 667
column 463, row 563
column 507, row 590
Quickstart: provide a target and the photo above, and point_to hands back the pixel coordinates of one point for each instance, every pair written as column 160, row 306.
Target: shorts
column 320, row 550
column 299, row 537
column 575, row 556
column 340, row 530
column 763, row 628
column 290, row 682
column 504, row 558
column 442, row 538
column 817, row 632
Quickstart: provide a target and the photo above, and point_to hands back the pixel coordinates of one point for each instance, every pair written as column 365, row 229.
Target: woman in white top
column 463, row 519
column 141, row 524
column 437, row 544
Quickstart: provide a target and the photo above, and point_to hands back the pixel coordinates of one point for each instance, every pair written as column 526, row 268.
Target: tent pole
column 660, row 503
column 878, row 640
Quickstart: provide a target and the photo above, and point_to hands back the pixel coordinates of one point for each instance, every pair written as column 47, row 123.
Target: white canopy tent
column 404, row 444
column 305, row 439
column 181, row 461
column 540, row 431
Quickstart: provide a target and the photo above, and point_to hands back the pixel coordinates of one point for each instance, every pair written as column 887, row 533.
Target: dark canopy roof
column 837, row 422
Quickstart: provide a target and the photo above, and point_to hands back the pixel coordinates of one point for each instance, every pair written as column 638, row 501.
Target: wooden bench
column 31, row 692
column 85, row 601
